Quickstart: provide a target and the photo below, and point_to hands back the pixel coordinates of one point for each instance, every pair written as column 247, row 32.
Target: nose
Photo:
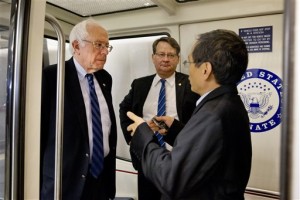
column 104, row 51
column 166, row 58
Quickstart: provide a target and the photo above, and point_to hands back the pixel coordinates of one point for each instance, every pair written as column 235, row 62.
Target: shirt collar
column 202, row 97
column 170, row 80
column 80, row 70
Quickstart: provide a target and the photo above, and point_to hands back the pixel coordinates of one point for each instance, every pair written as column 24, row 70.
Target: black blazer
column 211, row 156
column 75, row 134
column 135, row 99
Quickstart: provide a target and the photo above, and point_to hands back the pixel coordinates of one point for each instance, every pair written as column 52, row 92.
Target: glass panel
column 50, row 52
column 127, row 56
column 5, row 7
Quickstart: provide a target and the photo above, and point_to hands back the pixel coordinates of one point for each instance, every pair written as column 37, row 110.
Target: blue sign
column 261, row 93
column 257, row 39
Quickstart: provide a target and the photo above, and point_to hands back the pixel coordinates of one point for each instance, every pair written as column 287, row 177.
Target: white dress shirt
column 151, row 103
column 105, row 118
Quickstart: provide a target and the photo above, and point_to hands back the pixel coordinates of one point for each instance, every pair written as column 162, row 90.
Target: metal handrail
column 59, row 104
column 262, row 193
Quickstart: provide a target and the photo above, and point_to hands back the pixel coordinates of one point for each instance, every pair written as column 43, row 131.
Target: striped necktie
column 97, row 156
column 161, row 109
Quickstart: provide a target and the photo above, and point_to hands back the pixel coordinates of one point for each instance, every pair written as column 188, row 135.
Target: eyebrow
column 166, row 53
column 99, row 41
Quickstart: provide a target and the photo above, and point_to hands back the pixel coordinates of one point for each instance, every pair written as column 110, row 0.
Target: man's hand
column 137, row 121
column 166, row 119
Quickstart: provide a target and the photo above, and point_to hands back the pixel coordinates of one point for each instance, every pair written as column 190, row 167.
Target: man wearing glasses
column 143, row 99
column 89, row 134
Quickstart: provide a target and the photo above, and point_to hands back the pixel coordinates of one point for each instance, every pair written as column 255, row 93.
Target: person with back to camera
column 211, row 155
column 89, row 134
column 143, row 99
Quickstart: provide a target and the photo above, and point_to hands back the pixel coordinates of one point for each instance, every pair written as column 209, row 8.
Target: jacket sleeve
column 195, row 155
column 173, row 131
column 125, row 106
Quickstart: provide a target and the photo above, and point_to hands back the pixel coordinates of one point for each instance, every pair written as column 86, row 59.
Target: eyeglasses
column 186, row 63
column 163, row 55
column 99, row 45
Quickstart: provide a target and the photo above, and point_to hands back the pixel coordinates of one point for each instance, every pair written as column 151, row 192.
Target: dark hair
column 226, row 52
column 168, row 40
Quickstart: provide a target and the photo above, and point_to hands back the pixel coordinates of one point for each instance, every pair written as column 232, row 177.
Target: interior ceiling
column 85, row 8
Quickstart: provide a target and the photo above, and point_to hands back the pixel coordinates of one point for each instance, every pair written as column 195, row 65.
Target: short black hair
column 226, row 52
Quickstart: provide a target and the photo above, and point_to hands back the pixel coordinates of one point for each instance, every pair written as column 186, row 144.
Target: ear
column 207, row 70
column 153, row 57
column 76, row 46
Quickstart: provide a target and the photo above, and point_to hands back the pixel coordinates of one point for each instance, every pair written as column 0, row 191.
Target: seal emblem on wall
column 261, row 93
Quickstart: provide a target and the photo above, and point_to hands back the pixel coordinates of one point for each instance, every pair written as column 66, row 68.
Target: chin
column 94, row 69
column 193, row 90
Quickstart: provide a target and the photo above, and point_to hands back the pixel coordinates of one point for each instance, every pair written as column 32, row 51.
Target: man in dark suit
column 143, row 100
column 90, row 47
column 211, row 156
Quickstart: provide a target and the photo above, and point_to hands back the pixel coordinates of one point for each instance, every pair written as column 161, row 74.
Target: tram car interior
column 133, row 25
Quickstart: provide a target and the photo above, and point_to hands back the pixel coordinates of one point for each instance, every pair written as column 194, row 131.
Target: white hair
column 79, row 32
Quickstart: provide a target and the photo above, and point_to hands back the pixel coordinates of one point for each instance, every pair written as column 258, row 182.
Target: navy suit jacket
column 135, row 99
column 75, row 134
column 211, row 156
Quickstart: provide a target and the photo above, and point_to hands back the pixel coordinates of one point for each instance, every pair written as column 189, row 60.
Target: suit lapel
column 145, row 88
column 179, row 87
column 214, row 94
column 104, row 85
column 74, row 96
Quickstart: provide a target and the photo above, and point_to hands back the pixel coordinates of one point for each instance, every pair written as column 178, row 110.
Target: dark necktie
column 97, row 157
column 161, row 109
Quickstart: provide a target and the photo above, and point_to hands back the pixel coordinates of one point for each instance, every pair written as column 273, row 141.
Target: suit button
column 87, row 155
column 83, row 176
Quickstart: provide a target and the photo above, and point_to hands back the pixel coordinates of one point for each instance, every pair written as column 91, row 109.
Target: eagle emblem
column 257, row 104
column 261, row 93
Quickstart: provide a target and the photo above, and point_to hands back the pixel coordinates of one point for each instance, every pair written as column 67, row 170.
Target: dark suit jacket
column 135, row 99
column 211, row 156
column 75, row 140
